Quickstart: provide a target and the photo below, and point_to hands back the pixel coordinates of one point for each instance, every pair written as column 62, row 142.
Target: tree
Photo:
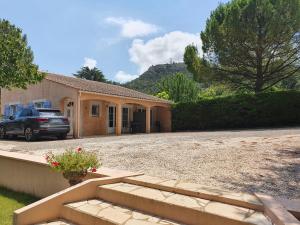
column 196, row 65
column 163, row 95
column 16, row 58
column 179, row 88
column 291, row 83
column 90, row 74
column 193, row 62
column 254, row 44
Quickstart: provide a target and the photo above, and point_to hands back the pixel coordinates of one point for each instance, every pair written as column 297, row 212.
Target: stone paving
column 220, row 209
column 183, row 185
column 117, row 214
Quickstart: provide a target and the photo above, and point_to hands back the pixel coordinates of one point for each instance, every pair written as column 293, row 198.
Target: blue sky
column 121, row 37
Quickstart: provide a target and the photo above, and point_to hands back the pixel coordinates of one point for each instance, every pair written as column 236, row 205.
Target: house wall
column 50, row 90
column 46, row 89
column 98, row 125
column 165, row 118
column 93, row 125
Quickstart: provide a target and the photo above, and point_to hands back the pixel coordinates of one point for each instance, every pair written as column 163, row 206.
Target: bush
column 272, row 109
column 216, row 90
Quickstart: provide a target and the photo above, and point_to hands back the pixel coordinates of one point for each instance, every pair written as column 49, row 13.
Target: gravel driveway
column 258, row 160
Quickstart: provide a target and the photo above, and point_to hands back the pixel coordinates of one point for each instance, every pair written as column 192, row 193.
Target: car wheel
column 2, row 133
column 29, row 135
column 62, row 136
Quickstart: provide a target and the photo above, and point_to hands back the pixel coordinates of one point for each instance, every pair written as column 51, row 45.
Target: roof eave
column 131, row 98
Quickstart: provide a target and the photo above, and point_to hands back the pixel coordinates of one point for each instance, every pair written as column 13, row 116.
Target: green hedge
column 272, row 109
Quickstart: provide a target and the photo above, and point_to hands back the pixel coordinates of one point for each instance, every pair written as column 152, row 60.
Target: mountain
column 147, row 82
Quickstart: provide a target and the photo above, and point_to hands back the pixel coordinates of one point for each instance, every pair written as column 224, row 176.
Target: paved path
column 256, row 160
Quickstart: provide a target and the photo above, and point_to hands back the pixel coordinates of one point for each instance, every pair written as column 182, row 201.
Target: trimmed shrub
column 272, row 109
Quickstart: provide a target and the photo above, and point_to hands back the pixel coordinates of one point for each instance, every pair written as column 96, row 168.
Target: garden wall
column 273, row 109
column 31, row 174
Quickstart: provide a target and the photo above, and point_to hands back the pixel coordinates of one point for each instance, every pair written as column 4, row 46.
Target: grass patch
column 10, row 201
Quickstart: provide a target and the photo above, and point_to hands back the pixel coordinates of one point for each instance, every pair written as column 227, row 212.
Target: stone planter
column 75, row 177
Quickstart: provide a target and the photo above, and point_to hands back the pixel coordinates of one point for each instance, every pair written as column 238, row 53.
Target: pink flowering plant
column 74, row 164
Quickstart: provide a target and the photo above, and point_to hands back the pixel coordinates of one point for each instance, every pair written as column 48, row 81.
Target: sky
column 122, row 38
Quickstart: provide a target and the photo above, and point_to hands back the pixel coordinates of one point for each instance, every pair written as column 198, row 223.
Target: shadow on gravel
column 40, row 139
column 278, row 180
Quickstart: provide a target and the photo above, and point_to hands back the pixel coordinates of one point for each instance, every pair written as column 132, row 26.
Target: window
column 25, row 113
column 49, row 112
column 12, row 110
column 39, row 104
column 112, row 116
column 125, row 119
column 141, row 110
column 95, row 109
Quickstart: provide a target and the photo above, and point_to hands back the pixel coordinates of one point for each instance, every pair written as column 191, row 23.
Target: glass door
column 111, row 119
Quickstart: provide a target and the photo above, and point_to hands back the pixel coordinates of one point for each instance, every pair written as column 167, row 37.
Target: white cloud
column 131, row 28
column 89, row 62
column 164, row 49
column 124, row 77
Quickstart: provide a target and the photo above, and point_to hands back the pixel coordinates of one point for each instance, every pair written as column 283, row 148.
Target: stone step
column 180, row 208
column 57, row 222
column 244, row 200
column 98, row 212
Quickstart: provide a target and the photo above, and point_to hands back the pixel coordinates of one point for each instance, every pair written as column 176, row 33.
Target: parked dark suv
column 32, row 123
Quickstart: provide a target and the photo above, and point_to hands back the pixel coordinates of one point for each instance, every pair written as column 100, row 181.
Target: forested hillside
column 147, row 82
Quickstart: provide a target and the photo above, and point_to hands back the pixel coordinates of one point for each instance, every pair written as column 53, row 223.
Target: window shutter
column 47, row 104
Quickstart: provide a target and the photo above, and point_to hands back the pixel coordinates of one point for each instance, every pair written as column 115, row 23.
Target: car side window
column 26, row 113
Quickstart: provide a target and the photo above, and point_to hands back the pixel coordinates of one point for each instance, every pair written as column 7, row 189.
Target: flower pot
column 74, row 177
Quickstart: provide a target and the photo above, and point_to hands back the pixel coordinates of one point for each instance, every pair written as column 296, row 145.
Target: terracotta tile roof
column 100, row 87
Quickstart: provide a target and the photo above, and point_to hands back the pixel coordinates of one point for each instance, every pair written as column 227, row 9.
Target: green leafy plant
column 163, row 95
column 180, row 88
column 216, row 90
column 268, row 109
column 74, row 164
column 17, row 68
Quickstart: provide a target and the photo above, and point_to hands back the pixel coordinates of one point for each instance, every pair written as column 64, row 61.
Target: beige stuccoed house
column 93, row 108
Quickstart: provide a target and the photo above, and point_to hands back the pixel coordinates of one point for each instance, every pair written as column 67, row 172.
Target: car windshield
column 47, row 113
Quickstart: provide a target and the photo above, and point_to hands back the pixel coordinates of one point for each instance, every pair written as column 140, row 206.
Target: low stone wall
column 50, row 208
column 31, row 174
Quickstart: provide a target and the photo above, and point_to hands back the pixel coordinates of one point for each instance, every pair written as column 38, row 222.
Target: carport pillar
column 148, row 120
column 119, row 119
